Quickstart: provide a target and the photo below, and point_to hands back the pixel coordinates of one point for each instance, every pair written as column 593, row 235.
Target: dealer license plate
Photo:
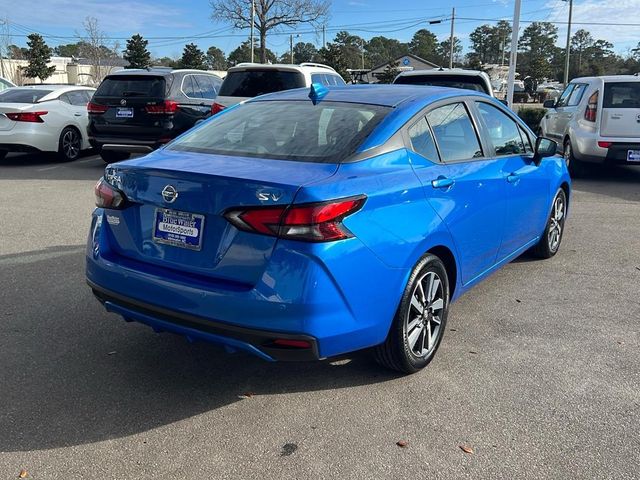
column 180, row 229
column 633, row 156
column 124, row 112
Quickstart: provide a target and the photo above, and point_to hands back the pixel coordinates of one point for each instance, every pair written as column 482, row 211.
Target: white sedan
column 45, row 118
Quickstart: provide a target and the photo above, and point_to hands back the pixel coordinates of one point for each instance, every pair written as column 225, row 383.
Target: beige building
column 68, row 70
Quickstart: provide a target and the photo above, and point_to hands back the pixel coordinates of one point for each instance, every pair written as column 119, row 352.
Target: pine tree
column 193, row 57
column 38, row 55
column 136, row 52
column 389, row 73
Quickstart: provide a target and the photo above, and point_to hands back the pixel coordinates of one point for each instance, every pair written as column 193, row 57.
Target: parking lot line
column 48, row 168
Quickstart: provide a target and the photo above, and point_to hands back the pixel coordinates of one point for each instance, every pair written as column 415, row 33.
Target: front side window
column 576, row 94
column 503, row 131
column 455, row 133
column 287, row 130
column 564, row 97
column 422, row 141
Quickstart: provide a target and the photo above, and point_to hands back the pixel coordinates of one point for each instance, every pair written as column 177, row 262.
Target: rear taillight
column 33, row 117
column 216, row 108
column 592, row 108
column 96, row 108
column 311, row 222
column 107, row 196
column 165, row 108
column 605, row 144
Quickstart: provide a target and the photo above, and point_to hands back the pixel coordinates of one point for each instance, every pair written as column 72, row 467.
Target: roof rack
column 317, row 65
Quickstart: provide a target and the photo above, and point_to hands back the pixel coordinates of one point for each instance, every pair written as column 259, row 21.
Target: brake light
column 605, row 144
column 33, row 117
column 165, row 108
column 107, row 196
column 216, row 108
column 592, row 108
column 288, row 343
column 311, row 222
column 96, row 108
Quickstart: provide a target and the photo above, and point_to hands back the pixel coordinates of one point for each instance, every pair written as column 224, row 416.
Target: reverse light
column 311, row 222
column 216, row 108
column 591, row 111
column 107, row 196
column 165, row 108
column 96, row 108
column 32, row 117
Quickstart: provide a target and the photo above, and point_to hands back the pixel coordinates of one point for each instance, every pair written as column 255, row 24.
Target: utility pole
column 362, row 51
column 453, row 21
column 291, row 47
column 568, row 52
column 324, row 42
column 253, row 14
column 513, row 59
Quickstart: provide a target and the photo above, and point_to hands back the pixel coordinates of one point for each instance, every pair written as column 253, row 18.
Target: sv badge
column 268, row 195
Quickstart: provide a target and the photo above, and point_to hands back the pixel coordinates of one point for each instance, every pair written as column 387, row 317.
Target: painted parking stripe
column 48, row 168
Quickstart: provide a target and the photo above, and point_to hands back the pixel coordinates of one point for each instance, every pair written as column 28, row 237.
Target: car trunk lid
column 206, row 187
column 621, row 110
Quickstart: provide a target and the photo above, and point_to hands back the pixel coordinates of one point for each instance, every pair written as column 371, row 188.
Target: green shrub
column 532, row 116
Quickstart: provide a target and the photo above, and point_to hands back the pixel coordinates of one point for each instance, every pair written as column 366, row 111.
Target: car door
column 194, row 107
column 551, row 119
column 527, row 184
column 464, row 187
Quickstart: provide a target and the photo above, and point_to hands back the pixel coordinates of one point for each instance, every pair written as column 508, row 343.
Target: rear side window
column 287, row 130
column 327, row 79
column 132, row 86
column 27, row 95
column 502, row 130
column 251, row 83
column 422, row 141
column 621, row 95
column 77, row 98
column 452, row 81
column 454, row 132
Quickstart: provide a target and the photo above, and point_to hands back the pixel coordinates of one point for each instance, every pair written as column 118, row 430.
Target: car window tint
column 576, row 94
column 132, row 86
column 454, row 132
column 621, row 95
column 319, row 78
column 207, row 87
column 251, row 83
column 503, row 131
column 65, row 98
column 562, row 101
column 88, row 94
column 188, row 87
column 77, row 98
column 465, row 82
column 20, row 95
column 526, row 140
column 289, row 130
column 422, row 141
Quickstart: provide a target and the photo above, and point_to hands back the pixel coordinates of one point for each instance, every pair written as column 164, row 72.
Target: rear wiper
column 133, row 94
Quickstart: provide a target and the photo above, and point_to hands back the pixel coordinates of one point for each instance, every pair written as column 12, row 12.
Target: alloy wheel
column 71, row 144
column 556, row 223
column 424, row 318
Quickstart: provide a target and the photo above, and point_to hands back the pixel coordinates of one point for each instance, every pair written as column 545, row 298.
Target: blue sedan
column 307, row 224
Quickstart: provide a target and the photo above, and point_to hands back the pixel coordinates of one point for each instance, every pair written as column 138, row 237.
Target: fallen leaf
column 288, row 449
column 453, row 330
column 472, row 352
column 402, row 443
column 519, row 301
column 112, row 353
column 23, row 474
column 246, row 395
column 619, row 342
column 638, row 268
column 466, row 449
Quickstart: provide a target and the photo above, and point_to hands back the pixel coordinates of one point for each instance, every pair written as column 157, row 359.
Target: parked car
column 597, row 121
column 4, row 84
column 248, row 80
column 140, row 110
column 307, row 224
column 44, row 118
column 454, row 78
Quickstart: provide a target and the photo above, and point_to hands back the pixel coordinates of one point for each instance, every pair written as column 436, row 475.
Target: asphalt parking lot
column 538, row 373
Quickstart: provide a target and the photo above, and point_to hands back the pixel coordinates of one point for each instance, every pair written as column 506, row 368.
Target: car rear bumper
column 29, row 138
column 128, row 144
column 587, row 149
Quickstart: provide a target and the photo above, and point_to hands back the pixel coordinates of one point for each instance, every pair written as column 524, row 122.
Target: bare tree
column 95, row 46
column 5, row 43
column 269, row 15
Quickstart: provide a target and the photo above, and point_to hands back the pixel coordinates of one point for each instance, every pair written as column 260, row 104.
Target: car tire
column 415, row 334
column 69, row 144
column 110, row 156
column 576, row 167
column 549, row 243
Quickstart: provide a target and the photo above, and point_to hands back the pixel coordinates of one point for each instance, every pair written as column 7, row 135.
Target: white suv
column 248, row 80
column 596, row 120
column 454, row 78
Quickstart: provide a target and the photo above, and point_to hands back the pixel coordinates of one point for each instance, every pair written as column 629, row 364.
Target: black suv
column 140, row 110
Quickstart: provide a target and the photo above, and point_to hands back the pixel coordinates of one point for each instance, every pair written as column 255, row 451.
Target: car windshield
column 622, row 95
column 465, row 82
column 20, row 95
column 288, row 130
column 132, row 86
column 251, row 83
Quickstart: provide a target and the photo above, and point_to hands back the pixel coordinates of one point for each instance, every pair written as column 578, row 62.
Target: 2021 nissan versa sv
column 303, row 225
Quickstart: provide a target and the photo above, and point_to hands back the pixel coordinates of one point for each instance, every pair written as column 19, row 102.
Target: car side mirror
column 544, row 148
column 549, row 104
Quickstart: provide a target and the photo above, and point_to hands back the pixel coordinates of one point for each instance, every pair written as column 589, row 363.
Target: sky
column 168, row 24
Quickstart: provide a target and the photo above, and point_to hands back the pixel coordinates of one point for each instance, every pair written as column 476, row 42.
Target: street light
column 513, row 59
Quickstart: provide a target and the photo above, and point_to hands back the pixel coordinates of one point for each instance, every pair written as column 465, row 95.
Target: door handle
column 77, row 114
column 513, row 178
column 442, row 182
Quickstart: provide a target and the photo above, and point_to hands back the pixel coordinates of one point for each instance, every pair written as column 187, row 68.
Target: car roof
column 445, row 71
column 158, row 72
column 609, row 78
column 303, row 67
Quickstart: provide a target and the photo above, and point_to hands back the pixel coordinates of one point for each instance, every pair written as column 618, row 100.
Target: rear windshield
column 287, row 130
column 622, row 95
column 132, row 86
column 452, row 81
column 252, row 83
column 22, row 96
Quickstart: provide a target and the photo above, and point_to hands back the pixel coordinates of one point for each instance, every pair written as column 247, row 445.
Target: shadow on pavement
column 617, row 181
column 73, row 374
